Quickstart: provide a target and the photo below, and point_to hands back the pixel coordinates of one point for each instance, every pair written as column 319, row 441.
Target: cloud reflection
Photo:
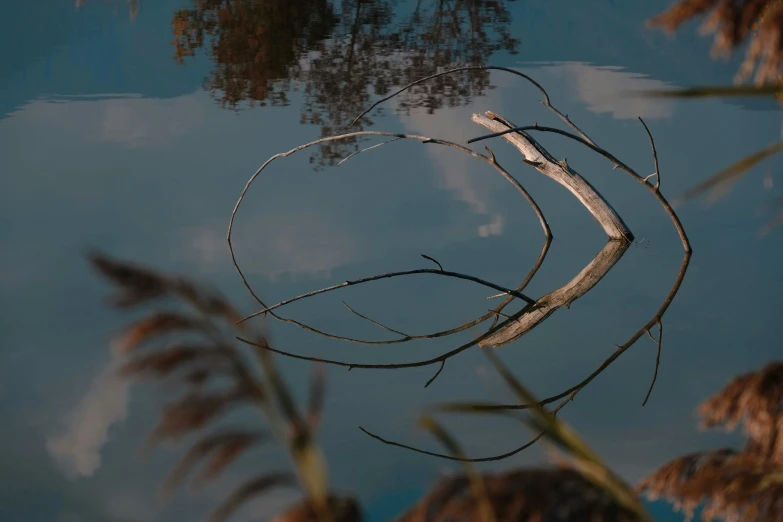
column 131, row 121
column 608, row 89
column 78, row 449
column 299, row 243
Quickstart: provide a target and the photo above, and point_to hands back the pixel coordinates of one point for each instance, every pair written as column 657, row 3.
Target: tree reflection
column 339, row 55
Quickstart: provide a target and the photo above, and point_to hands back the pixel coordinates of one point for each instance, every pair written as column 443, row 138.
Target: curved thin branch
column 608, row 155
column 387, row 276
column 536, row 127
column 425, row 256
column 657, row 341
column 409, row 338
column 442, row 364
column 546, row 101
column 395, row 366
column 451, row 457
column 373, row 321
column 657, row 173
column 366, row 149
column 571, row 392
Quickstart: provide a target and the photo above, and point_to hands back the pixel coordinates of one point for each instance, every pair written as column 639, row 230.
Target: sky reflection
column 107, row 143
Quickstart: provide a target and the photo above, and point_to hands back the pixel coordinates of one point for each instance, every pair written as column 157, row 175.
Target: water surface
column 108, row 142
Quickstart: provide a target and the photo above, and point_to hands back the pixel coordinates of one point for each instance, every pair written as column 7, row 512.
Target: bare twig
column 497, row 295
column 499, row 314
column 442, row 364
column 366, row 149
column 657, row 341
column 373, row 321
column 451, row 457
column 657, row 172
column 425, row 256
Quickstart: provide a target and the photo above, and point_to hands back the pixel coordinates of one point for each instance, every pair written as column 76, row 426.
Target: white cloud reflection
column 609, row 89
column 299, row 243
column 78, row 449
column 132, row 121
column 455, row 171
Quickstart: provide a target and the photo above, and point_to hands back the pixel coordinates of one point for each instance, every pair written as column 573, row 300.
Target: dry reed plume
column 742, row 485
column 758, row 22
column 193, row 344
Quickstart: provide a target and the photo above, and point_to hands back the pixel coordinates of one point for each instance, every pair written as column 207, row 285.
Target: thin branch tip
column 425, row 256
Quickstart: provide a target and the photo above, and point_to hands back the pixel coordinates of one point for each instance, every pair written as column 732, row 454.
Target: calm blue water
column 107, row 143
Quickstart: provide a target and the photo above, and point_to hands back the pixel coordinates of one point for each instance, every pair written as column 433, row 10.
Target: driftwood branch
column 537, row 157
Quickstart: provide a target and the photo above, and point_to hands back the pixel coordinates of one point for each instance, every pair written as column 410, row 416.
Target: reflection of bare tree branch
column 452, row 457
column 390, row 275
column 396, row 366
column 526, row 281
column 658, row 343
column 563, row 296
column 491, row 160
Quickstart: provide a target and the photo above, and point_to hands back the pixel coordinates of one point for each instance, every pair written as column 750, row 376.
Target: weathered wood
column 537, row 157
column 563, row 296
